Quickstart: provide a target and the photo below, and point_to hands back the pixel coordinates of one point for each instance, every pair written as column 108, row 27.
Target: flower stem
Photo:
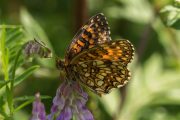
column 12, row 81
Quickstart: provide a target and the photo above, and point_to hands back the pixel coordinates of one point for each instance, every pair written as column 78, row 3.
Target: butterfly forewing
column 94, row 32
column 120, row 50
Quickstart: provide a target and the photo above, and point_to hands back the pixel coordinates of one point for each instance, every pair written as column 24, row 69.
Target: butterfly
column 96, row 61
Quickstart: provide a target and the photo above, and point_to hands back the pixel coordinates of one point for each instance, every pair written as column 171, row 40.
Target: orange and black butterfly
column 95, row 60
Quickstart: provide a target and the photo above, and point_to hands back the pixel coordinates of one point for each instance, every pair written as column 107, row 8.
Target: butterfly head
column 60, row 64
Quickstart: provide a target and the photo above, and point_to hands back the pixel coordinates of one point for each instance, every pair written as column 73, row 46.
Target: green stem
column 5, row 60
column 13, row 78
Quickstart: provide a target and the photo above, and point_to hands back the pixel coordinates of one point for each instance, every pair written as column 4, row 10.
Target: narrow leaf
column 29, row 99
column 4, row 51
column 24, row 104
column 35, row 31
column 14, row 36
column 3, row 83
column 26, row 74
column 2, row 39
column 24, row 98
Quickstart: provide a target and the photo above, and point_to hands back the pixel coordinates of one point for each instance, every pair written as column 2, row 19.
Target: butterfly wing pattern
column 95, row 31
column 119, row 50
column 104, row 66
column 102, row 75
column 96, row 61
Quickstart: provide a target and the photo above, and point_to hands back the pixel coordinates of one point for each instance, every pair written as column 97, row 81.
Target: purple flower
column 38, row 112
column 36, row 48
column 70, row 101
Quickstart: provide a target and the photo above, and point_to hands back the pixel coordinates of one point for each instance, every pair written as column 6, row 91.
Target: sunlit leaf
column 15, row 36
column 171, row 16
column 34, row 30
column 111, row 107
column 131, row 10
column 177, row 3
column 151, row 85
column 4, row 83
column 4, row 52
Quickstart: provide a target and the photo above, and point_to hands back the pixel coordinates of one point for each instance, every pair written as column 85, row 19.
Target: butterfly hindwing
column 101, row 75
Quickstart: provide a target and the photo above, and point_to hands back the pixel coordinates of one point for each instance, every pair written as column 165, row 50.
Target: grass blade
column 4, row 83
column 23, row 105
column 24, row 98
column 29, row 99
column 25, row 74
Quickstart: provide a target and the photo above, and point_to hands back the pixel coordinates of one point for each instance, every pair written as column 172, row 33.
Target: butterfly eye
column 60, row 64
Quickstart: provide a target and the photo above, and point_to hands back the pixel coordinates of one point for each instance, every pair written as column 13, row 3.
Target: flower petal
column 66, row 114
column 38, row 112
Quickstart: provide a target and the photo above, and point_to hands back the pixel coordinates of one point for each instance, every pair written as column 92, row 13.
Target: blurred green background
column 153, row 92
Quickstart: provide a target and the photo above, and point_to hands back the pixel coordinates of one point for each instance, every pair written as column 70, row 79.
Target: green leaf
column 32, row 27
column 29, row 99
column 154, row 84
column 25, row 74
column 177, row 3
column 9, row 98
column 2, row 39
column 3, row 83
column 23, row 105
column 130, row 10
column 111, row 107
column 5, row 52
column 34, row 30
column 14, row 36
column 2, row 108
column 170, row 15
column 24, row 98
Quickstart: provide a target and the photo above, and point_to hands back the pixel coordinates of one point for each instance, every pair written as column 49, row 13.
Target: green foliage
column 26, row 101
column 152, row 86
column 177, row 3
column 3, row 83
column 25, row 74
column 33, row 30
column 130, row 9
column 171, row 15
column 12, row 40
